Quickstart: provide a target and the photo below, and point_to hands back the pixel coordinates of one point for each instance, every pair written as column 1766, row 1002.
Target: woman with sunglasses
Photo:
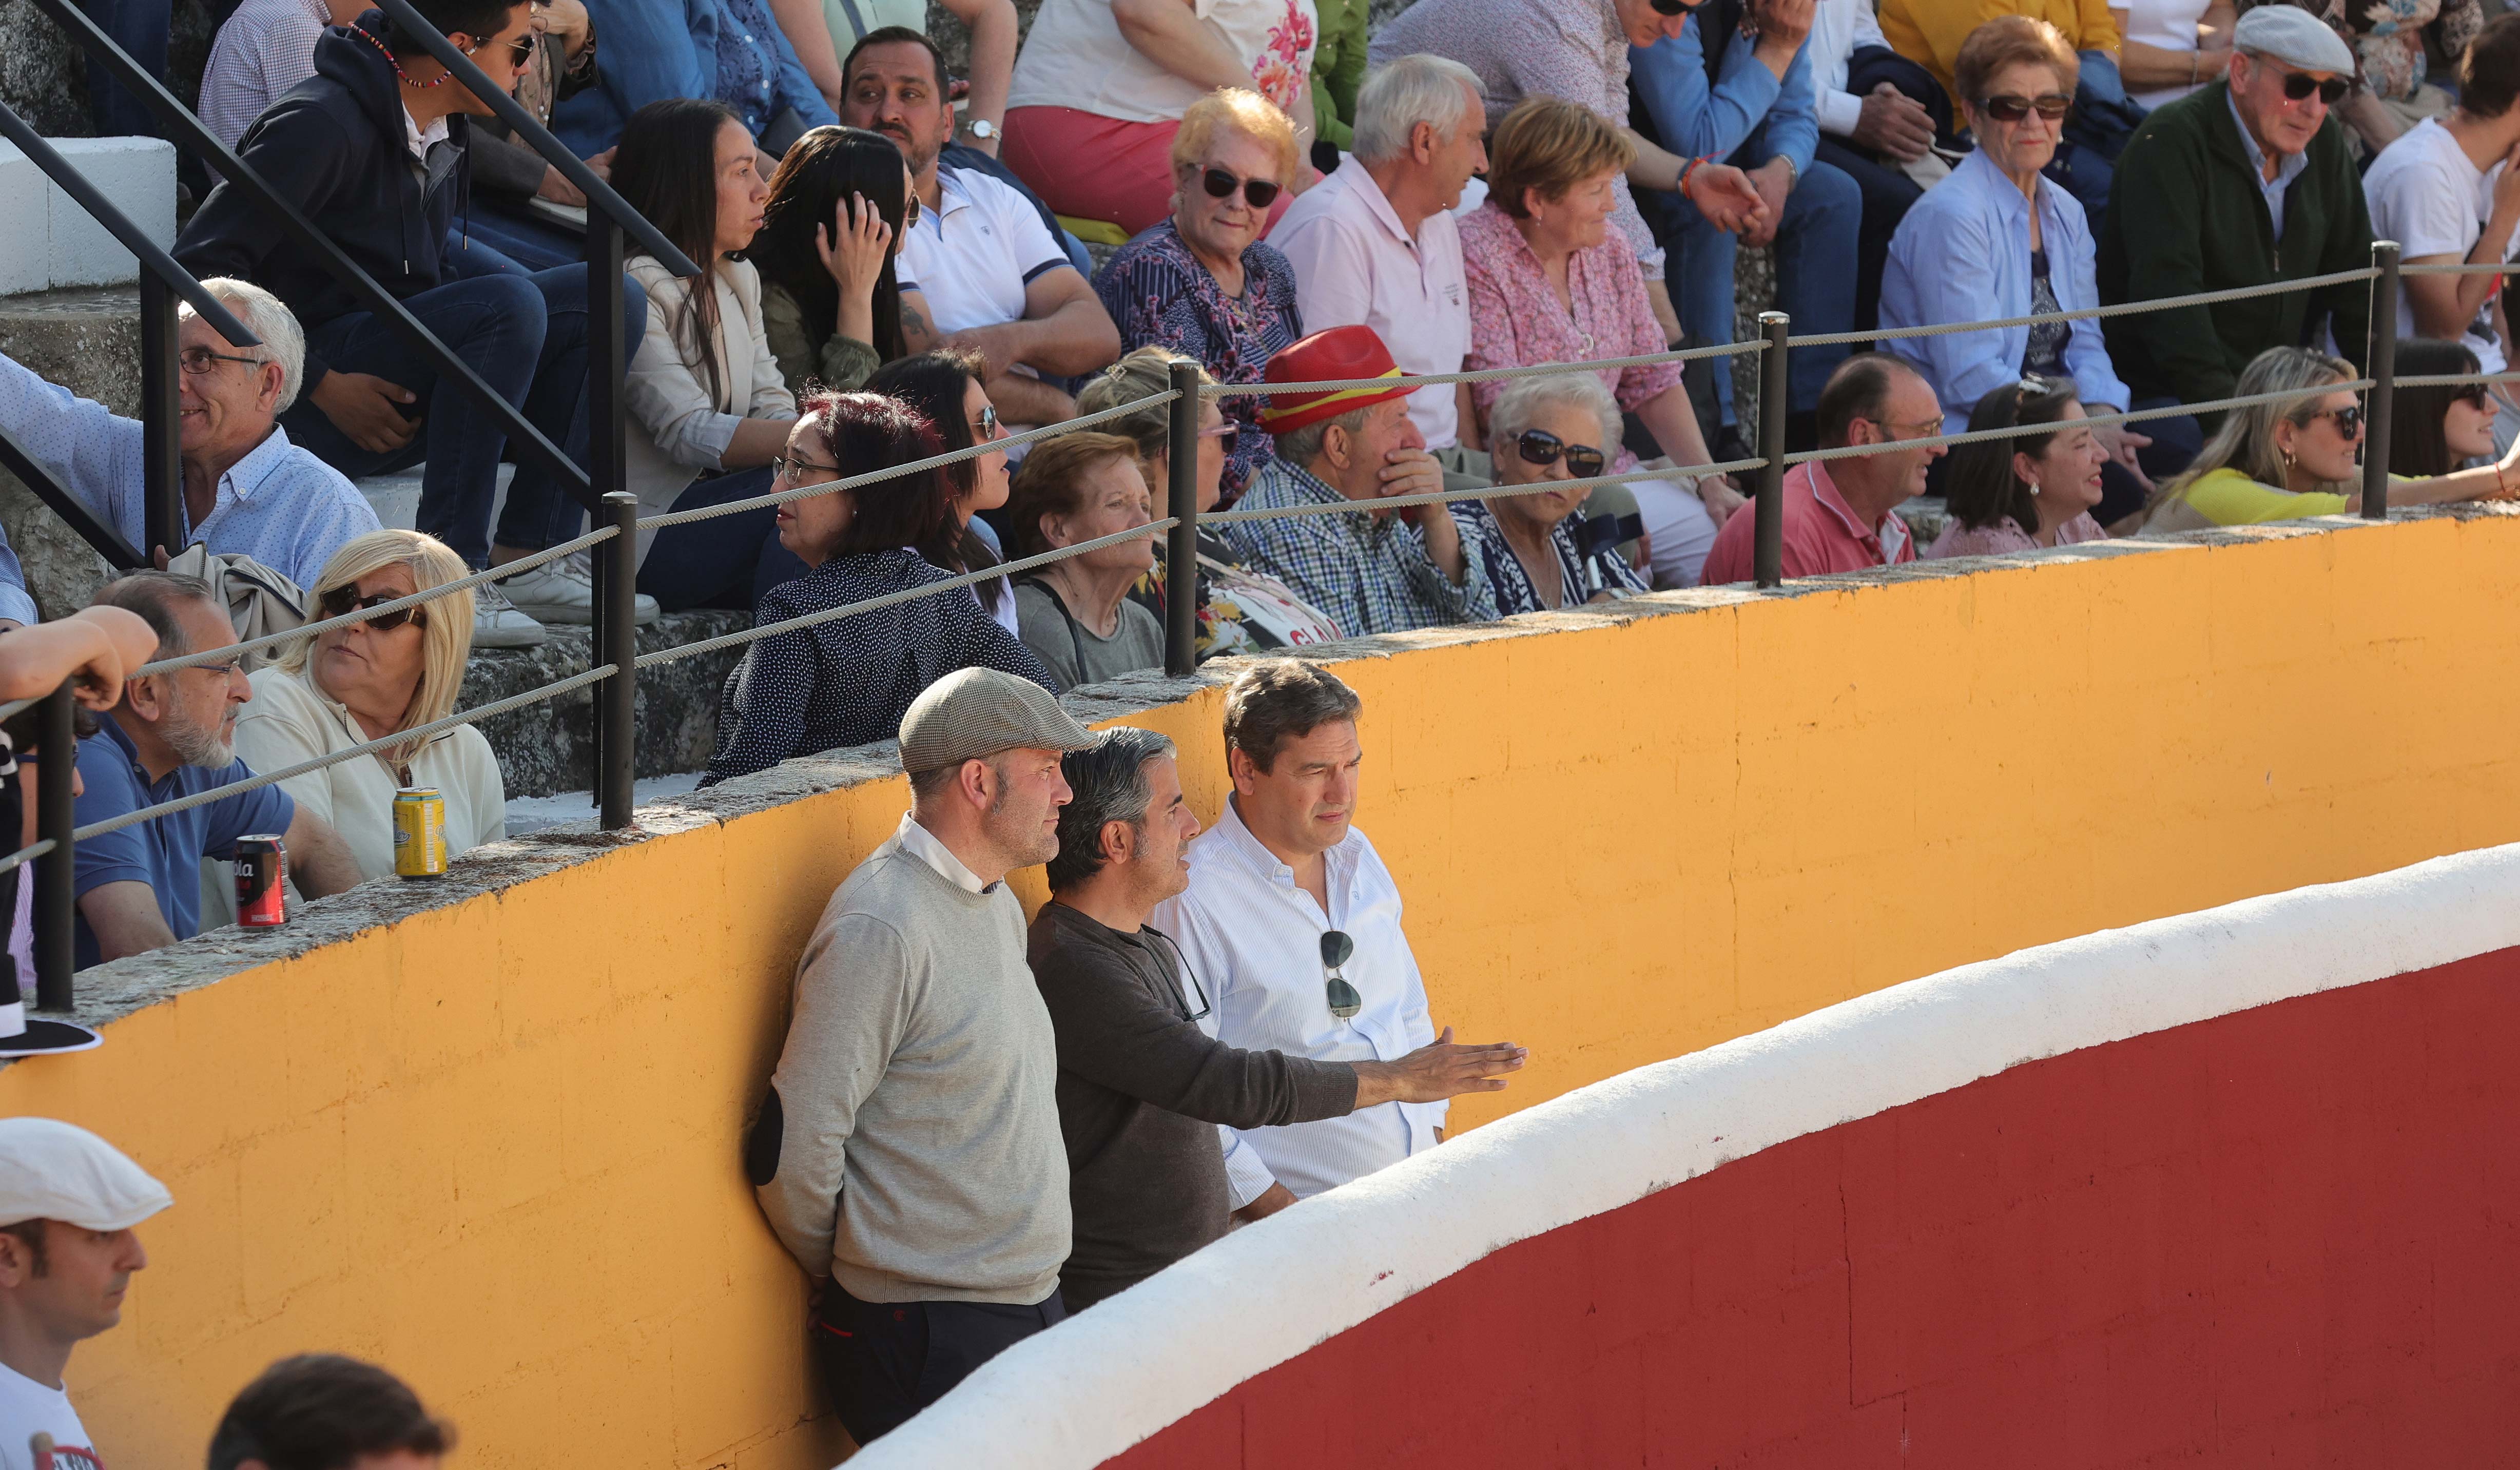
column 1240, row 610
column 372, row 681
column 831, row 301
column 2436, row 431
column 2016, row 494
column 1999, row 239
column 1202, row 282
column 2301, row 455
column 1540, row 432
column 944, row 388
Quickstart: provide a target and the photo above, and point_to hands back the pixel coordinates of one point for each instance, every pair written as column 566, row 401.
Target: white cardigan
column 682, row 431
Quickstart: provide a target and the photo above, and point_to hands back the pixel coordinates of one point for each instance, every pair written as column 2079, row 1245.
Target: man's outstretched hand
column 1441, row 1069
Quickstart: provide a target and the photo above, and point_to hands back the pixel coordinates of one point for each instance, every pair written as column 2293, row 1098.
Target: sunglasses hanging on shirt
column 1336, row 951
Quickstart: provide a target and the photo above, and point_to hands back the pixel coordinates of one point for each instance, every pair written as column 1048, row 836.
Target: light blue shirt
column 2287, row 170
column 279, row 505
column 1962, row 254
column 1704, row 121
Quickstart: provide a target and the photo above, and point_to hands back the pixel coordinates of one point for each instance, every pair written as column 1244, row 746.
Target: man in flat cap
column 909, row 1151
column 2245, row 181
column 69, row 1201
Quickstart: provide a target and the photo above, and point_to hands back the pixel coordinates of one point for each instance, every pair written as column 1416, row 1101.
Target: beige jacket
column 679, row 430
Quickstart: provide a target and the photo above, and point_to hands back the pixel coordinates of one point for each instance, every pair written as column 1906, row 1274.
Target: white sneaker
column 564, row 592
column 497, row 624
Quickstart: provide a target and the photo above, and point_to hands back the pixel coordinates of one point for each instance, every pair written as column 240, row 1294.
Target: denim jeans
column 1815, row 249
column 141, row 28
column 726, row 561
column 526, row 336
column 535, row 244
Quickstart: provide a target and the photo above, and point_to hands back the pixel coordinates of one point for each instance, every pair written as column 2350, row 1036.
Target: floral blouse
column 1160, row 295
column 2006, row 537
column 1518, row 321
column 2390, row 41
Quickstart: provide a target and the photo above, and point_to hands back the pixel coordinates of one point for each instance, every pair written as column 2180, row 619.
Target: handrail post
column 161, row 472
column 56, row 918
column 1768, row 552
column 2383, row 373
column 1181, row 550
column 616, row 741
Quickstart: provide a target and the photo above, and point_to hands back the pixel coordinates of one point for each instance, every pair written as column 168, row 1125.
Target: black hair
column 935, row 385
column 2418, row 438
column 665, row 168
column 2489, row 69
column 820, row 170
column 1282, row 699
column 478, row 19
column 863, row 433
column 892, row 35
column 1981, row 488
column 322, row 1411
column 1860, row 388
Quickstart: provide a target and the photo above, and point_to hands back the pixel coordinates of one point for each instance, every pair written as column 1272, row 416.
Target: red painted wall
column 2286, row 1238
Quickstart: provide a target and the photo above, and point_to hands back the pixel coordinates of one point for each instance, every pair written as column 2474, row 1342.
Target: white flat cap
column 2295, row 36
column 53, row 1170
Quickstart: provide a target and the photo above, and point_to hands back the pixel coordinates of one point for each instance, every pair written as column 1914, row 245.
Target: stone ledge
column 549, row 747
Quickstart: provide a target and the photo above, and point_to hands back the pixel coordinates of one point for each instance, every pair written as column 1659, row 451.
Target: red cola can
column 262, row 876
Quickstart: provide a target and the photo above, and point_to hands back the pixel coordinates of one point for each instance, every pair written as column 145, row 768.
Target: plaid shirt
column 1370, row 574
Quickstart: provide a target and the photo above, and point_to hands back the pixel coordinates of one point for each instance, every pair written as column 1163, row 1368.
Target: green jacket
column 2186, row 215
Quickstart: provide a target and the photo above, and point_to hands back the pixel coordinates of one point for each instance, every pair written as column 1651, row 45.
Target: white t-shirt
column 29, row 1408
column 2426, row 196
column 1076, row 57
column 2170, row 25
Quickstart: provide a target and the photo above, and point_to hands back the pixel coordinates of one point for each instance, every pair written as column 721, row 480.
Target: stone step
column 549, row 748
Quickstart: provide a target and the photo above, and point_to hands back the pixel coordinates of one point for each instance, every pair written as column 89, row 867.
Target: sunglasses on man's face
column 1673, row 7
column 2012, row 107
column 346, row 600
column 521, row 51
column 1338, row 950
column 2298, row 85
column 1538, row 446
column 1221, row 182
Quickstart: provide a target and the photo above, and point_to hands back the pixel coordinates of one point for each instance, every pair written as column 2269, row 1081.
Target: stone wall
column 549, row 747
column 89, row 342
column 43, row 74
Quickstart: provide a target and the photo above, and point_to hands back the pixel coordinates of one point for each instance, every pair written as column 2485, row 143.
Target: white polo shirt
column 1355, row 264
column 972, row 256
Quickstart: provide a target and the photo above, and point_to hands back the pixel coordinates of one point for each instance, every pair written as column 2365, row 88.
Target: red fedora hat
column 1341, row 352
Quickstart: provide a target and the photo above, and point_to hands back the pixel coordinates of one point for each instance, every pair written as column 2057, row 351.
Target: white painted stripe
column 1094, row 1386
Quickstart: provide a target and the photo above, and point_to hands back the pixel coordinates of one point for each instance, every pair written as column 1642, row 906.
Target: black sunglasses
column 1673, row 7
column 521, row 51
column 1206, row 1006
column 344, row 599
column 1259, row 192
column 1336, row 950
column 2349, row 418
column 2298, row 85
column 2473, row 395
column 2012, row 107
column 1538, row 446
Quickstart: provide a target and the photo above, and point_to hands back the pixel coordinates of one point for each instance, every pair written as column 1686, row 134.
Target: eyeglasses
column 1336, row 950
column 2012, row 107
column 1538, row 446
column 1259, row 192
column 199, row 360
column 793, row 469
column 2349, row 418
column 987, row 428
column 345, row 600
column 225, row 670
column 2298, row 85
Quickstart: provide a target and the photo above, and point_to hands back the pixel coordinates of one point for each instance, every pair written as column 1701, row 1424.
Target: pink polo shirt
column 1821, row 534
column 1355, row 265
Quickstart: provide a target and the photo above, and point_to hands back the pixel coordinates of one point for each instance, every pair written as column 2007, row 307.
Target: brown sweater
column 1141, row 1090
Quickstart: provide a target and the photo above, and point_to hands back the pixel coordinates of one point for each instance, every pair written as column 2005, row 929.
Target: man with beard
column 140, row 887
column 909, row 1152
column 978, row 270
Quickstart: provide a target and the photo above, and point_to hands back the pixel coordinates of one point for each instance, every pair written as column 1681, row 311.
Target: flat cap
column 2295, row 36
column 971, row 713
column 51, row 1170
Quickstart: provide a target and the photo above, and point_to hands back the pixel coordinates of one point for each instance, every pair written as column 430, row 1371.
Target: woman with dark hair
column 945, row 388
column 828, row 295
column 849, row 680
column 2439, row 430
column 709, row 403
column 2015, row 495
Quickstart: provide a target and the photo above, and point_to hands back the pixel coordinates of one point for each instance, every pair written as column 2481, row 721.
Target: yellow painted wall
column 495, row 1145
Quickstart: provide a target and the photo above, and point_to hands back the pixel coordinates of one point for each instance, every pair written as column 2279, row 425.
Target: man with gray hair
column 1375, row 244
column 247, row 490
column 1141, row 1089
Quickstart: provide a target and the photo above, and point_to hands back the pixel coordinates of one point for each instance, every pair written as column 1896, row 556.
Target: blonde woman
column 2299, row 456
column 370, row 681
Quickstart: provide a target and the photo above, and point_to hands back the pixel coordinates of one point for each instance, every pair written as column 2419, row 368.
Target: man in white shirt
column 2447, row 193
column 69, row 1201
column 978, row 270
column 1878, row 116
column 1279, row 887
column 1375, row 244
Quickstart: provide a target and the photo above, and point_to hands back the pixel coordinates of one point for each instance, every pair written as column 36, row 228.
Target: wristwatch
column 980, row 128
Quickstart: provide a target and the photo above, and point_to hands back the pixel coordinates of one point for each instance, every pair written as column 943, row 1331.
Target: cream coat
column 679, row 431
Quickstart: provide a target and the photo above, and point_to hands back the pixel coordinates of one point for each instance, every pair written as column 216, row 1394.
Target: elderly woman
column 1202, row 282
column 1077, row 614
column 848, row 682
column 1999, row 239
column 2014, row 495
column 1240, row 610
column 2299, row 456
column 1545, row 429
column 372, row 681
column 1102, row 87
column 1551, row 283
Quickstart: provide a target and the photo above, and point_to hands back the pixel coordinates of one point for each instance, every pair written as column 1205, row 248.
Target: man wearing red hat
column 1372, row 570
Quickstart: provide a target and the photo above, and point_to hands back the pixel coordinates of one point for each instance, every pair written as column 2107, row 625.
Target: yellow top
column 2228, row 498
column 1929, row 32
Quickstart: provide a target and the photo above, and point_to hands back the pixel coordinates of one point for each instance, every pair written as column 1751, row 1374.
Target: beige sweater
column 678, row 428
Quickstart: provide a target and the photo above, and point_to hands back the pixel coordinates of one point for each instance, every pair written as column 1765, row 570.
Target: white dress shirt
column 1839, row 27
column 1253, row 938
column 930, row 849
